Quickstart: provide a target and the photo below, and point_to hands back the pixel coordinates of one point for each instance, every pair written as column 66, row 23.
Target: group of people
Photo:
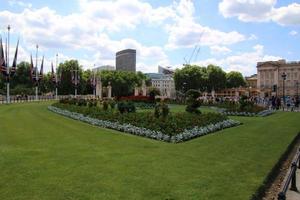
column 289, row 103
column 274, row 102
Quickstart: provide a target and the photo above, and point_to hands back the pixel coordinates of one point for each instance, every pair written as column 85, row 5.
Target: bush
column 193, row 102
column 105, row 105
column 157, row 111
column 164, row 110
column 126, row 107
column 161, row 109
column 173, row 124
column 112, row 104
column 92, row 103
column 81, row 102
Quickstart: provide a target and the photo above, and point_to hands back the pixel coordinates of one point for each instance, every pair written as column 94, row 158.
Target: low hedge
column 174, row 123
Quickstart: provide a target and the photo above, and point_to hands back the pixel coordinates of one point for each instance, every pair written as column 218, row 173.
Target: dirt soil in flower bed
column 173, row 124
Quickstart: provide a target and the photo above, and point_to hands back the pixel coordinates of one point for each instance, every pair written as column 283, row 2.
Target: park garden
column 139, row 147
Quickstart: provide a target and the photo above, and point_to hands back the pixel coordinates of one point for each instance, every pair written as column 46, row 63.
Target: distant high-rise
column 126, row 60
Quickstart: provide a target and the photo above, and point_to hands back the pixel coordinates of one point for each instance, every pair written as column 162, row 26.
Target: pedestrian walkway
column 292, row 195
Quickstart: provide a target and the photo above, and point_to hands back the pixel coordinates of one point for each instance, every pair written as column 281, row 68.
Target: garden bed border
column 157, row 135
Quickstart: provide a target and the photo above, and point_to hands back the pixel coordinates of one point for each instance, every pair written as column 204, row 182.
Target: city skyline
column 232, row 34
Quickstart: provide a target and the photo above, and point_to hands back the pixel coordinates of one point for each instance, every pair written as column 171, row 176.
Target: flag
column 32, row 71
column 2, row 59
column 53, row 74
column 14, row 66
column 41, row 71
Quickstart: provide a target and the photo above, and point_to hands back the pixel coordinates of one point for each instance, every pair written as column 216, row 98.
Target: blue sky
column 234, row 34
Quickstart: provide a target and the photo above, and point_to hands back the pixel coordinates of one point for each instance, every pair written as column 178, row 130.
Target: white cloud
column 243, row 62
column 88, row 29
column 19, row 3
column 253, row 37
column 247, row 10
column 293, row 33
column 186, row 32
column 261, row 11
column 219, row 50
column 289, row 15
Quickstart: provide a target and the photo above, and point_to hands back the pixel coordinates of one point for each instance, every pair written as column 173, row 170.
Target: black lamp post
column 283, row 88
column 297, row 87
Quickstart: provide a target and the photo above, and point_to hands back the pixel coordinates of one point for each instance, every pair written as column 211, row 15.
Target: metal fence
column 32, row 98
column 291, row 179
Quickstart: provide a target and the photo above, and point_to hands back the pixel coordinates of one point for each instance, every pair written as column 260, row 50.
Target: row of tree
column 122, row 83
column 206, row 78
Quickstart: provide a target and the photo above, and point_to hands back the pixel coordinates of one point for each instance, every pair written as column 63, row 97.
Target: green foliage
column 235, row 80
column 112, row 104
column 126, row 107
column 153, row 92
column 168, row 123
column 81, row 102
column 31, row 135
column 216, row 78
column 190, row 77
column 161, row 109
column 105, row 105
column 92, row 103
column 157, row 111
column 206, row 78
column 22, row 90
column 192, row 101
column 122, row 82
column 164, row 110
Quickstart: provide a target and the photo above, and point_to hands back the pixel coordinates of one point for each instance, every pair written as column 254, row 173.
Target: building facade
column 126, row 60
column 251, row 81
column 164, row 82
column 269, row 76
column 104, row 67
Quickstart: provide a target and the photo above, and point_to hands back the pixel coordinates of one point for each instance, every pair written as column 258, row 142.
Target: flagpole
column 56, row 78
column 75, row 73
column 36, row 74
column 7, row 68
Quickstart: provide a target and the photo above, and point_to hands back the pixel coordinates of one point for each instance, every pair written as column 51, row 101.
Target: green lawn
column 47, row 156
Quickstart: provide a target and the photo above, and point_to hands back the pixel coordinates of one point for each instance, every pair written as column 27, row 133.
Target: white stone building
column 270, row 74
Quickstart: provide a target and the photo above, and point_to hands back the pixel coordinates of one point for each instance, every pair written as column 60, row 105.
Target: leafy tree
column 22, row 76
column 190, row 77
column 66, row 86
column 153, row 92
column 234, row 80
column 122, row 82
column 216, row 78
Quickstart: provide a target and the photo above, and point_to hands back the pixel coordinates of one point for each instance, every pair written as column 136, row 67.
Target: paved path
column 292, row 195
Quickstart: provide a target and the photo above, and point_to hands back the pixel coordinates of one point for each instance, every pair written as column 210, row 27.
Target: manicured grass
column 47, row 156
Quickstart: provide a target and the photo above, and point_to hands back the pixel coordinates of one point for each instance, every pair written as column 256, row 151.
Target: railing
column 32, row 98
column 291, row 179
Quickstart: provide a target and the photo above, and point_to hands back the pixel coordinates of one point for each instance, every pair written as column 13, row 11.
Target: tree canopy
column 122, row 82
column 206, row 79
column 234, row 80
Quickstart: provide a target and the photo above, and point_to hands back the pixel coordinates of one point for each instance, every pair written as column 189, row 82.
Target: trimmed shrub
column 81, row 102
column 112, row 104
column 126, row 107
column 193, row 102
column 105, row 105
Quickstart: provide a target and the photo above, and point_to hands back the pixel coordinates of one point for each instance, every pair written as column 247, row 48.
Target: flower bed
column 185, row 135
column 263, row 113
